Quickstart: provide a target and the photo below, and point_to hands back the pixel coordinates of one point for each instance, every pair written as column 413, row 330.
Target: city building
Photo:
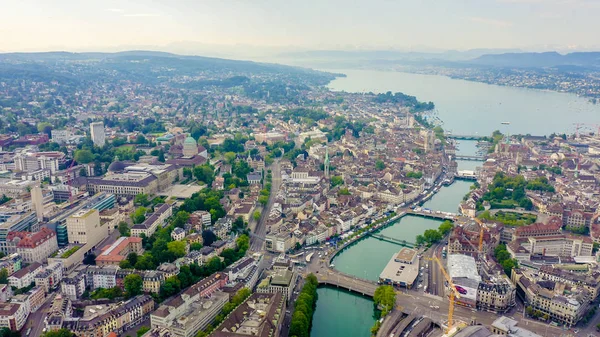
column 496, row 295
column 124, row 184
column 190, row 147
column 588, row 280
column 189, row 315
column 101, row 277
column 402, row 269
column 49, row 277
column 505, row 326
column 193, row 309
column 32, row 247
column 178, row 234
column 200, row 220
column 112, row 319
column 84, row 227
column 244, row 271
column 152, row 279
column 25, row 276
column 73, row 285
column 26, row 161
column 260, row 315
column 558, row 246
column 16, row 188
column 157, row 219
column 13, row 315
column 278, row 281
column 97, row 133
column 559, row 302
column 463, row 271
column 11, row 263
column 118, row 251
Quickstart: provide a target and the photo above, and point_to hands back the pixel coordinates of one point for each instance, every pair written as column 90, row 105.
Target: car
column 461, row 290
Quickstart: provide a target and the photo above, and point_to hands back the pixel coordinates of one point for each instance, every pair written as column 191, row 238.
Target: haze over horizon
column 230, row 27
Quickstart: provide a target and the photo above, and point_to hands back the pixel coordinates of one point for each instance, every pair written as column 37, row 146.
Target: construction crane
column 481, row 230
column 70, row 179
column 577, row 127
column 453, row 292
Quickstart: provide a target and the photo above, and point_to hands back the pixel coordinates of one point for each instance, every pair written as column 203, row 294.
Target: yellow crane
column 453, row 292
column 481, row 230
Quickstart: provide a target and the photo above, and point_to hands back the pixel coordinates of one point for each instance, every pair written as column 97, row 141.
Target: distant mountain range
column 476, row 57
column 539, row 60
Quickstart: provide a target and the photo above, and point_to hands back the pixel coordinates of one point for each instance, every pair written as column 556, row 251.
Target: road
column 257, row 240
column 35, row 321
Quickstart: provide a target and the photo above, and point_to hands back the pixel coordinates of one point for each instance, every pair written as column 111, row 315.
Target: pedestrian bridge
column 472, row 158
column 464, row 137
column 392, row 240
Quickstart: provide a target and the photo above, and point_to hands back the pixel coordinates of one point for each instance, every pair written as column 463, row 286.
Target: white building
column 97, row 133
column 84, row 227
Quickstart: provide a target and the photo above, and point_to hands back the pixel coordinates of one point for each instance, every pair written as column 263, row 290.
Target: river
column 477, row 108
column 466, row 108
column 356, row 322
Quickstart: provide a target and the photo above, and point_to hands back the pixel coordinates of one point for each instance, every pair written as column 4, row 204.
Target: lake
column 477, row 108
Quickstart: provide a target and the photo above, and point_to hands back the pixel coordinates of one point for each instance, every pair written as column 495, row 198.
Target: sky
column 193, row 25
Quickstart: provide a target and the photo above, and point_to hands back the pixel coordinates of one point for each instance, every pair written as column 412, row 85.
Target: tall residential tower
column 97, row 133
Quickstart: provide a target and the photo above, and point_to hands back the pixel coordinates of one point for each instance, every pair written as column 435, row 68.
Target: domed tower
column 190, row 147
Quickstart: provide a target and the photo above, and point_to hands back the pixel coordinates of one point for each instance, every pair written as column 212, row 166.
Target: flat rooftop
column 400, row 273
column 406, row 255
column 460, row 265
column 181, row 191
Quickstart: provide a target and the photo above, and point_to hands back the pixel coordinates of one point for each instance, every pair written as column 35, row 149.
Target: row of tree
column 505, row 259
column 304, row 308
column 384, row 299
column 431, row 236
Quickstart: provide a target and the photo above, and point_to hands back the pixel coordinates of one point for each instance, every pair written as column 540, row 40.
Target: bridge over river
column 382, row 237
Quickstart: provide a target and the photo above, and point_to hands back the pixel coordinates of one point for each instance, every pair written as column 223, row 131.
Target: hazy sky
column 27, row 25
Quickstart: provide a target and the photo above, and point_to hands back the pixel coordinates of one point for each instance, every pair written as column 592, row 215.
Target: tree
column 125, row 265
column 177, row 248
column 445, row 227
column 124, row 228
column 195, row 246
column 171, row 287
column 133, row 284
column 256, row 215
column 205, row 173
column 139, row 215
column 336, row 180
column 242, row 243
column 141, row 199
column 181, row 218
column 6, row 332
column 142, row 330
column 230, row 157
column 132, row 258
column 84, row 156
column 379, row 165
column 263, row 199
column 208, row 237
column 4, row 276
column 432, row 236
